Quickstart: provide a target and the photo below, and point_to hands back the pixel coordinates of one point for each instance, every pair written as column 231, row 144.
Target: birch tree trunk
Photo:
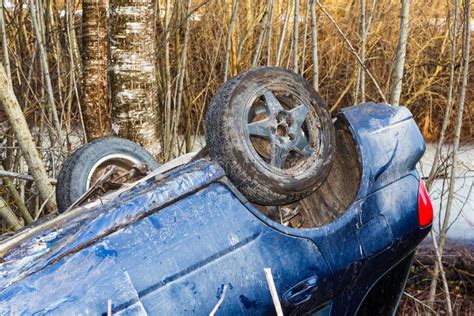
column 94, row 76
column 23, row 136
column 314, row 45
column 132, row 71
column 401, row 53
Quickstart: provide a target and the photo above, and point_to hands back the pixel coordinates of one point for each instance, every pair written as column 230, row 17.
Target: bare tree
column 3, row 36
column 38, row 29
column 352, row 49
column 453, row 17
column 401, row 53
column 7, row 214
column 457, row 138
column 132, row 71
column 179, row 91
column 261, row 35
column 74, row 66
column 363, row 44
column 269, row 31
column 25, row 140
column 296, row 34
column 305, row 37
column 167, row 84
column 233, row 19
column 94, row 76
column 283, row 32
column 17, row 198
column 314, row 45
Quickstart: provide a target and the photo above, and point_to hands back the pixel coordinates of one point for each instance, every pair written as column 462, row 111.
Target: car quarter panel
column 389, row 141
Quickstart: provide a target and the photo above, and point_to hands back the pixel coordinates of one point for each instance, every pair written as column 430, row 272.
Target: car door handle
column 301, row 292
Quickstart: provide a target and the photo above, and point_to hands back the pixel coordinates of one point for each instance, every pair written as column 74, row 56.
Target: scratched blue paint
column 169, row 245
column 102, row 252
column 156, row 223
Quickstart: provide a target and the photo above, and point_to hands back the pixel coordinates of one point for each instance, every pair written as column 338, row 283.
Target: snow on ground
column 462, row 216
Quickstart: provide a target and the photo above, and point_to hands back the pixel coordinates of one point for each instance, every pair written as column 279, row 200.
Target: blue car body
column 179, row 241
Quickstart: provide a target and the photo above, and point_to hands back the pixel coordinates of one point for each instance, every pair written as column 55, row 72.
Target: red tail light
column 425, row 209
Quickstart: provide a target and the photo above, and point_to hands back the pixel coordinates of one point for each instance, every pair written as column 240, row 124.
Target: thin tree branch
column 353, row 51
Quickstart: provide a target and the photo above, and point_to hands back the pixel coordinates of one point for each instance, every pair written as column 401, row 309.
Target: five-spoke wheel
column 285, row 130
column 272, row 133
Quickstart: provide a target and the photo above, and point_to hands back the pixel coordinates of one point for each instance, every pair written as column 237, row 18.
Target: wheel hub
column 282, row 130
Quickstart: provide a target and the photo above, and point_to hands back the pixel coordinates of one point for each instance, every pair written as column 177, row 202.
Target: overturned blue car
column 286, row 210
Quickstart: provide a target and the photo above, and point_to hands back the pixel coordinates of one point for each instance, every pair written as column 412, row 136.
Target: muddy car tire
column 76, row 172
column 273, row 135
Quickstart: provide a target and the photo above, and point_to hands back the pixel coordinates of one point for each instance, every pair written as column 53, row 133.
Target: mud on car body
column 187, row 236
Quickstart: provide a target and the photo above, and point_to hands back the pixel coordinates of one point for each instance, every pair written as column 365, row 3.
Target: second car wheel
column 273, row 135
column 91, row 161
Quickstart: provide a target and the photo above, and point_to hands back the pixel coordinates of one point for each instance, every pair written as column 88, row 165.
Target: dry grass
column 426, row 70
column 459, row 266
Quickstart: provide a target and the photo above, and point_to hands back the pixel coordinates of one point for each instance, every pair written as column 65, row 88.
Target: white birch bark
column 132, row 71
column 401, row 53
